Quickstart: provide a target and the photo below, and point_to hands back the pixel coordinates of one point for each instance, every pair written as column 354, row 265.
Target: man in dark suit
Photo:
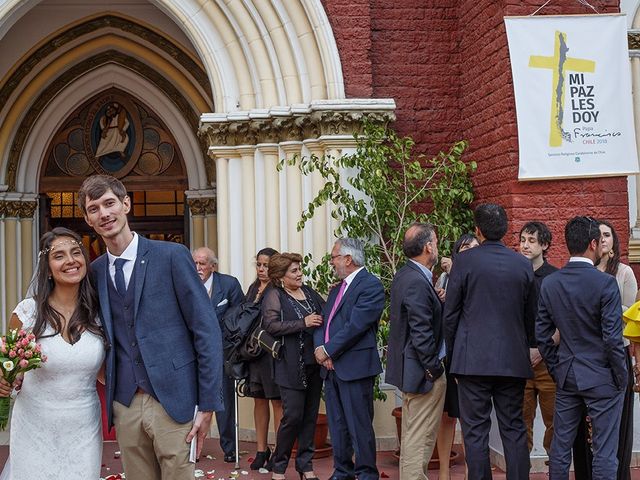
column 589, row 364
column 416, row 350
column 224, row 291
column 346, row 347
column 166, row 350
column 489, row 320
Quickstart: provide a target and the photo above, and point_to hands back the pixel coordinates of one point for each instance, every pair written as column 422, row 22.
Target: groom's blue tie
column 121, row 286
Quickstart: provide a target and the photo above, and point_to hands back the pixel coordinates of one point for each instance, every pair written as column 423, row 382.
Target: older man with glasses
column 346, row 347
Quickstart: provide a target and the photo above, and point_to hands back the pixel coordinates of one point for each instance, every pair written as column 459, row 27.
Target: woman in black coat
column 291, row 311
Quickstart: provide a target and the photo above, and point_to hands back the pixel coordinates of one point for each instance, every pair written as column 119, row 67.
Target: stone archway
column 275, row 90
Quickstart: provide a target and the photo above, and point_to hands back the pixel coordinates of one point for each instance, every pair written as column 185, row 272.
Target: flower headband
column 51, row 248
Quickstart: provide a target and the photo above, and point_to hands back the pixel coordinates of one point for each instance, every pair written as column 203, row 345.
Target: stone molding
column 633, row 39
column 200, row 206
column 67, row 78
column 17, row 209
column 52, row 44
column 321, row 119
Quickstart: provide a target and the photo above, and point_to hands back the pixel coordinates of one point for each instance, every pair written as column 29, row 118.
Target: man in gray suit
column 166, row 350
column 416, row 349
column 589, row 365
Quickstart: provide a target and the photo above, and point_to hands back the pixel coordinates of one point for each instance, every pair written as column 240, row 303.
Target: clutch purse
column 266, row 342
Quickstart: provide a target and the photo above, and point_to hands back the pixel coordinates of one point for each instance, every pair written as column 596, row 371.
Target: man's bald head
column 206, row 262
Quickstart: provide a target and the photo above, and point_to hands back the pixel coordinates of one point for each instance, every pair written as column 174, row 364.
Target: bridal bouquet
column 19, row 353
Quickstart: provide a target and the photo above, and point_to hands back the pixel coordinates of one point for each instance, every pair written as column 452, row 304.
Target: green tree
column 387, row 189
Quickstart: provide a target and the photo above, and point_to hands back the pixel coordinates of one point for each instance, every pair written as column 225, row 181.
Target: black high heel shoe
column 262, row 458
column 302, row 477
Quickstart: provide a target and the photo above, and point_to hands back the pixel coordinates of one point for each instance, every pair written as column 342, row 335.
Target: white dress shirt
column 130, row 253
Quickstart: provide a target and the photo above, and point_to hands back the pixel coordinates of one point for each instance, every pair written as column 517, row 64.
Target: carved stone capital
column 265, row 131
column 633, row 39
column 17, row 209
column 321, row 120
column 202, row 206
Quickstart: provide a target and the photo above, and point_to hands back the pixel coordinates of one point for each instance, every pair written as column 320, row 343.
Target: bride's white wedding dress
column 56, row 429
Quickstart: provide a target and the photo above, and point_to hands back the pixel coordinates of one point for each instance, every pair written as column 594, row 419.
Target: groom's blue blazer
column 176, row 329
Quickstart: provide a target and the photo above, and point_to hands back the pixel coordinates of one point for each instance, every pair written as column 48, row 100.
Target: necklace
column 303, row 302
column 66, row 312
column 306, row 305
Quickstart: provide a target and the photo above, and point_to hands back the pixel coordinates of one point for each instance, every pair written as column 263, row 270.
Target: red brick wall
column 488, row 121
column 446, row 64
column 351, row 24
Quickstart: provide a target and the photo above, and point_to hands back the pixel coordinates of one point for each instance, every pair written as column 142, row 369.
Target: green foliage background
column 384, row 192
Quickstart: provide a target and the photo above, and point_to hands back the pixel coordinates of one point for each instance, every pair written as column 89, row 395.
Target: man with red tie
column 347, row 349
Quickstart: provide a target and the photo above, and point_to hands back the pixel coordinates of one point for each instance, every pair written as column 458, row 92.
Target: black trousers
column 226, row 418
column 477, row 394
column 582, row 455
column 299, row 414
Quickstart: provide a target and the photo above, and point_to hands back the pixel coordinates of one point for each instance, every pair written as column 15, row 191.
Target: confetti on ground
column 263, row 470
column 199, row 473
column 116, row 454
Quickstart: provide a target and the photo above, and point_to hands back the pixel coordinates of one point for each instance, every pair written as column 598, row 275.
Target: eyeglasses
column 333, row 257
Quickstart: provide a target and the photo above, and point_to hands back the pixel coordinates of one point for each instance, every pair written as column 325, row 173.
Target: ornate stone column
column 271, row 191
column 294, row 207
column 224, row 158
column 248, row 188
column 16, row 219
column 320, row 220
column 258, row 206
column 201, row 206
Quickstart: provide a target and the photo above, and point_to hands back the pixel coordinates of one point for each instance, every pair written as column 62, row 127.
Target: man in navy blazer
column 416, row 350
column 346, row 347
column 165, row 355
column 224, row 291
column 489, row 325
column 588, row 365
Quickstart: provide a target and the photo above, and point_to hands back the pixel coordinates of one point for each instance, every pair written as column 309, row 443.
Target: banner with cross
column 572, row 85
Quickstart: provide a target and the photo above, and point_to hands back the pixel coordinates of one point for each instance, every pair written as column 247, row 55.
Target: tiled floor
column 211, row 466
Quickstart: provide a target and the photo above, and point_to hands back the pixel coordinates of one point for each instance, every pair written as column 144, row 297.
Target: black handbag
column 265, row 341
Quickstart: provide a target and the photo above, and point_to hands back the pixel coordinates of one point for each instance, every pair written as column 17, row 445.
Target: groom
column 166, row 350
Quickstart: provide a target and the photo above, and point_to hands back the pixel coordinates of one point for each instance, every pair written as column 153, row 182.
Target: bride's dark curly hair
column 84, row 316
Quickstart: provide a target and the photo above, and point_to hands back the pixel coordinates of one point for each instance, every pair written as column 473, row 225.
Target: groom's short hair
column 96, row 186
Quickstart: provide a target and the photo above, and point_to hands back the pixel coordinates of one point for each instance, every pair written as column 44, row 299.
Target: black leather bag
column 250, row 349
column 266, row 342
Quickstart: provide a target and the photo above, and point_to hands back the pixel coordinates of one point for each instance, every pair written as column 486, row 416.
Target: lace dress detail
column 56, row 427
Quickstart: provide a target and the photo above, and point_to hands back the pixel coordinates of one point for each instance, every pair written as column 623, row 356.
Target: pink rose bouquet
column 19, row 353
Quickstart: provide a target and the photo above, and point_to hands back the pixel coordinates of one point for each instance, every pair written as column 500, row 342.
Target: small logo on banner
column 567, row 70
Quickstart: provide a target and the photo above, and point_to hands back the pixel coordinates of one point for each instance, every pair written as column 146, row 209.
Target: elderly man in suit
column 489, row 325
column 416, row 350
column 346, row 347
column 588, row 365
column 166, row 351
column 225, row 292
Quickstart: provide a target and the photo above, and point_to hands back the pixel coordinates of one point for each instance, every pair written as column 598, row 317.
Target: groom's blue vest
column 130, row 370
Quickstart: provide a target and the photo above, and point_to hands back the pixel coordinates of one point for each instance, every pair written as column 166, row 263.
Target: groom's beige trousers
column 153, row 446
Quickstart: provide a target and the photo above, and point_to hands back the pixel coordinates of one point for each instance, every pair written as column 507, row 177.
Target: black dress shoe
column 230, row 457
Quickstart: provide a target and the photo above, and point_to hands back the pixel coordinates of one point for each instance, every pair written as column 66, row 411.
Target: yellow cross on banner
column 560, row 63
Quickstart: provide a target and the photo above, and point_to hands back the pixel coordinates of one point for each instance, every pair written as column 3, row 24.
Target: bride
column 56, row 422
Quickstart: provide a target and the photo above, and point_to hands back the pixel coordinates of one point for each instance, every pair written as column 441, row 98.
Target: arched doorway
column 117, row 134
